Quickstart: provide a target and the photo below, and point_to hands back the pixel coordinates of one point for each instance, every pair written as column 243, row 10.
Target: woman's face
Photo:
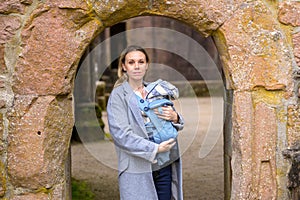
column 135, row 65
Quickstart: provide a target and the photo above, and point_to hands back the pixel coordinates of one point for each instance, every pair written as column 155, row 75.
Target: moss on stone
column 44, row 190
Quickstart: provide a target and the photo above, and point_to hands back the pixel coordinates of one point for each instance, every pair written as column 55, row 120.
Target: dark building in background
column 170, row 59
column 101, row 57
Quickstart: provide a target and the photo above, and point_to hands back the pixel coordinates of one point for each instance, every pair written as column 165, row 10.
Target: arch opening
column 196, row 86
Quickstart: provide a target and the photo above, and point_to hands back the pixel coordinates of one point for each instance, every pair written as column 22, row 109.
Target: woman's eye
column 131, row 62
column 141, row 62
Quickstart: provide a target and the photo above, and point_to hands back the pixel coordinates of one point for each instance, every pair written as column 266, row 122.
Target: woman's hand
column 166, row 145
column 167, row 113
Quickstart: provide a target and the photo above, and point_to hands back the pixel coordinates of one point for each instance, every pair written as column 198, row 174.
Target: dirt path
column 202, row 177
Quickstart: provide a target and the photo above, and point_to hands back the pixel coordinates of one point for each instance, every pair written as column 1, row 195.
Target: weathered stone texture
column 39, row 135
column 14, row 6
column 296, row 43
column 2, row 165
column 254, row 145
column 205, row 16
column 59, row 192
column 111, row 12
column 264, row 153
column 37, row 196
column 2, row 62
column 52, row 42
column 8, row 27
column 292, row 154
column 3, row 180
column 241, row 145
column 2, row 103
column 293, row 125
column 2, row 83
column 257, row 52
column 1, row 126
column 2, row 139
column 289, row 12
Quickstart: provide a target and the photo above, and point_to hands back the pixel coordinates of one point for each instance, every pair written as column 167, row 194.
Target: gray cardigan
column 135, row 152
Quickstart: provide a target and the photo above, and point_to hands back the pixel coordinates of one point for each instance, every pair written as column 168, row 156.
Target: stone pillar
column 255, row 60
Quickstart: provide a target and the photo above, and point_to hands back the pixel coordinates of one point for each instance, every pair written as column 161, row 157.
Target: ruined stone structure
column 41, row 43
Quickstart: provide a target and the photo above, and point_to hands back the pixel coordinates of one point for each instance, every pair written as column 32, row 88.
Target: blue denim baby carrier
column 160, row 129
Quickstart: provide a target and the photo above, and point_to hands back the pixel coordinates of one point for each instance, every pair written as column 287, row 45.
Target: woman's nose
column 136, row 65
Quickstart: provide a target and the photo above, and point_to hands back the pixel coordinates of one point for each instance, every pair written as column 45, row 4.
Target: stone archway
column 43, row 43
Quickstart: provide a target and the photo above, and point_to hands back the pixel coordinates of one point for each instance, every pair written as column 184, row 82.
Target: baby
column 159, row 94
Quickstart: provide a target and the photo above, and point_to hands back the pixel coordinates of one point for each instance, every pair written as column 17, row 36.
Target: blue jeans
column 163, row 182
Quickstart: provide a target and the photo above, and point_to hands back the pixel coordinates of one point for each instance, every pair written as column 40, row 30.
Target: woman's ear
column 123, row 67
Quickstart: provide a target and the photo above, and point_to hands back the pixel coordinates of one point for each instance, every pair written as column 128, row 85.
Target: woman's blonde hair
column 121, row 73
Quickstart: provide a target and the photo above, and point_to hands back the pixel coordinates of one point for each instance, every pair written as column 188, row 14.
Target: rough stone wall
column 289, row 16
column 41, row 43
column 261, row 68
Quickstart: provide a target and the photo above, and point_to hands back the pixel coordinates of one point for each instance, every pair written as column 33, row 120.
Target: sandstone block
column 254, row 147
column 289, row 12
column 257, row 55
column 264, row 151
column 293, row 125
column 38, row 196
column 8, row 27
column 115, row 11
column 51, row 45
column 241, row 145
column 59, row 192
column 68, row 4
column 206, row 16
column 296, row 43
column 39, row 135
column 14, row 6
column 3, row 68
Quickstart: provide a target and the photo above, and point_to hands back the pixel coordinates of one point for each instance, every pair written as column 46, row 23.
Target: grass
column 81, row 191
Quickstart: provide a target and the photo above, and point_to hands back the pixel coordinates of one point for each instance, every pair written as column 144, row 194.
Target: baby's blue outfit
column 159, row 130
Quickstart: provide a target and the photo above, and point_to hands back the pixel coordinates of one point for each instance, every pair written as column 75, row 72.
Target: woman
column 139, row 175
